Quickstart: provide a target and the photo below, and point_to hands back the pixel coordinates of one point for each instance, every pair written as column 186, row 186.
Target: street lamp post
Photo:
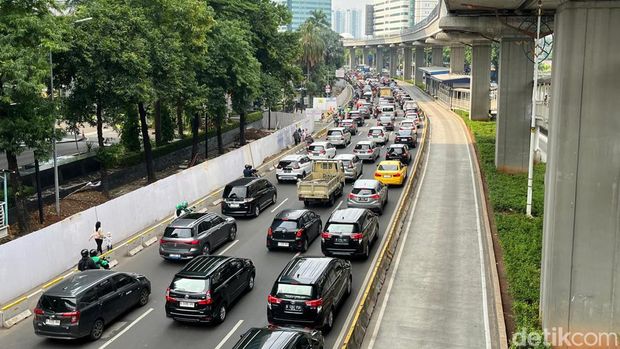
column 56, row 188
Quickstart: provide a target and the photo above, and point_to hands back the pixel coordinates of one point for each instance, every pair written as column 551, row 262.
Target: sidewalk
column 438, row 293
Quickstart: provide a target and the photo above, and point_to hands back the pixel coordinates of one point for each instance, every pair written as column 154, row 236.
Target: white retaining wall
column 42, row 255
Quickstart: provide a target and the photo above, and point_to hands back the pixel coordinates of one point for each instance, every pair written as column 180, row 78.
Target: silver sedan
column 352, row 164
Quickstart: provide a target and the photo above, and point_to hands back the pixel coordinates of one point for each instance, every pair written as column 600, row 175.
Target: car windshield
column 235, row 192
column 341, row 228
column 315, row 148
column 404, row 133
column 362, row 146
column 346, row 122
column 182, row 284
column 57, row 304
column 406, row 124
column 334, row 133
column 388, row 167
column 294, row 291
column 385, row 119
column 376, row 132
column 279, row 224
column 363, row 191
column 396, row 150
column 177, row 233
column 287, row 163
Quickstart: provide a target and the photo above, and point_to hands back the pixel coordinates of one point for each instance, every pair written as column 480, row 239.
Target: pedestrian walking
column 98, row 235
column 296, row 137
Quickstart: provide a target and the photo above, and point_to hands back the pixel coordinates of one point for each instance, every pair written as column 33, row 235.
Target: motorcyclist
column 182, row 209
column 86, row 262
column 249, row 171
column 100, row 262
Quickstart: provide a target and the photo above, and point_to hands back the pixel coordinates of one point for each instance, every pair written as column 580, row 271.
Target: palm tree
column 318, row 18
column 312, row 44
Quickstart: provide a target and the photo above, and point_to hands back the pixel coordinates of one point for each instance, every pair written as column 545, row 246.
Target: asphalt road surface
column 149, row 327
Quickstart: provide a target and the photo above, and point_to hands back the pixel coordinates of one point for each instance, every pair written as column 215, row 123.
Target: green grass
column 520, row 237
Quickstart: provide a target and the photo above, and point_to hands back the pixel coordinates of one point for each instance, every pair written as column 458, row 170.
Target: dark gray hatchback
column 80, row 306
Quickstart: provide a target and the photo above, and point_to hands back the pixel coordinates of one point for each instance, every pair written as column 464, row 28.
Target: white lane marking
column 485, row 308
column 34, row 293
column 111, row 330
column 126, row 328
column 217, row 202
column 228, row 248
column 277, row 207
column 337, row 206
column 375, row 331
column 232, row 331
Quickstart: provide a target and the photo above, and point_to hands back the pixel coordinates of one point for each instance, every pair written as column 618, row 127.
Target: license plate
column 52, row 322
column 287, row 171
column 341, row 241
column 362, row 199
column 294, row 308
column 176, row 256
column 387, row 176
column 234, row 205
column 283, row 244
column 186, row 304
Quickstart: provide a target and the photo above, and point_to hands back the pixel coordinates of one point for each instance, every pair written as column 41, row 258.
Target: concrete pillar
column 480, row 84
column 419, row 63
column 580, row 290
column 457, row 59
column 380, row 61
column 408, row 62
column 352, row 61
column 366, row 53
column 514, row 106
column 393, row 60
column 437, row 58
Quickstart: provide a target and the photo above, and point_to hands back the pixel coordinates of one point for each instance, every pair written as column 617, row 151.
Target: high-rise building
column 369, row 26
column 302, row 10
column 392, row 16
column 347, row 21
column 422, row 9
column 355, row 23
column 338, row 21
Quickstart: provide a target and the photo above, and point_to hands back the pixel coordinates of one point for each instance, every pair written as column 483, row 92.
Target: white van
column 388, row 110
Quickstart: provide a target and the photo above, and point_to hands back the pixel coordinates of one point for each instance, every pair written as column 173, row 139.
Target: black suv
column 275, row 337
column 204, row 289
column 80, row 306
column 308, row 292
column 196, row 233
column 349, row 232
column 248, row 196
column 398, row 152
column 294, row 229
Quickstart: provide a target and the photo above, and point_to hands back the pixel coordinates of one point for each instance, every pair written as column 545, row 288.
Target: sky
column 344, row 4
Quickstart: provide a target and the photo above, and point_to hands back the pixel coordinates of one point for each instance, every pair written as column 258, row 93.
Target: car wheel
column 256, row 211
column 367, row 251
column 349, row 286
column 304, row 245
column 232, row 235
column 97, row 330
column 329, row 321
column 221, row 313
column 144, row 297
column 306, row 203
column 251, row 282
column 332, row 199
column 206, row 250
column 274, row 198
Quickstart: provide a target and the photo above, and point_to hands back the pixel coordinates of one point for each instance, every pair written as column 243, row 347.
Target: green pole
column 6, row 201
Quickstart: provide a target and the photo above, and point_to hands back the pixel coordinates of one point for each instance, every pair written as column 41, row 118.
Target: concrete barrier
column 361, row 320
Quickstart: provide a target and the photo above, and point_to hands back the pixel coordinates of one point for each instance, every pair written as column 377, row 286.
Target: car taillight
column 273, row 300
column 350, row 165
column 377, row 174
column 296, row 166
column 168, row 298
column 162, row 241
column 74, row 315
column 369, row 151
column 396, row 175
column 351, row 196
column 323, row 152
column 315, row 303
column 326, row 235
column 299, row 233
column 207, row 300
column 38, row 311
column 357, row 236
column 269, row 232
column 375, row 197
column 194, row 242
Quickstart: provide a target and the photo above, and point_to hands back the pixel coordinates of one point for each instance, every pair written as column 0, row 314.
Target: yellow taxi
column 391, row 172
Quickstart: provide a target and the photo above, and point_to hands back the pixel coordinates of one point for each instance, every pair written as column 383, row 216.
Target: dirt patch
column 69, row 206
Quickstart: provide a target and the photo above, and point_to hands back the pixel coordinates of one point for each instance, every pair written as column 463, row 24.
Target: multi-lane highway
column 149, row 327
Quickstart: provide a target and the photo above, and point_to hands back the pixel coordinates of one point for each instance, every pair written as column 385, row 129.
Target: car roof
column 294, row 157
column 405, row 131
column 366, row 142
column 266, row 338
column 377, row 128
column 319, row 143
column 344, row 156
column 365, row 183
column 290, row 214
column 77, row 283
column 389, row 162
column 346, row 215
column 305, row 269
column 336, row 129
column 397, row 145
column 203, row 266
column 191, row 219
column 242, row 181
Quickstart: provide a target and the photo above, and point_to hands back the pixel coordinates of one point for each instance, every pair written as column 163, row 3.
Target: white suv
column 321, row 150
column 339, row 136
column 378, row 134
column 293, row 167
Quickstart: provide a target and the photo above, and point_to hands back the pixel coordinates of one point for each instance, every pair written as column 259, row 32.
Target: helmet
column 248, row 166
column 84, row 253
column 93, row 253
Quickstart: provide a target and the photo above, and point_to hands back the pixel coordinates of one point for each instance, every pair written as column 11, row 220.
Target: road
column 439, row 293
column 150, row 328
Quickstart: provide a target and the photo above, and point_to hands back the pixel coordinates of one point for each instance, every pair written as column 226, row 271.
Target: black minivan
column 207, row 286
column 294, row 229
column 350, row 232
column 308, row 292
column 248, row 196
column 81, row 305
column 275, row 337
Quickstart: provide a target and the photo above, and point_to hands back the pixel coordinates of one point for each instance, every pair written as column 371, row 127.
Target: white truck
column 324, row 184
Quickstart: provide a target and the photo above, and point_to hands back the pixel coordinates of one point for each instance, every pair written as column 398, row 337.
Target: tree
column 28, row 33
column 271, row 92
column 313, row 46
column 318, row 18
